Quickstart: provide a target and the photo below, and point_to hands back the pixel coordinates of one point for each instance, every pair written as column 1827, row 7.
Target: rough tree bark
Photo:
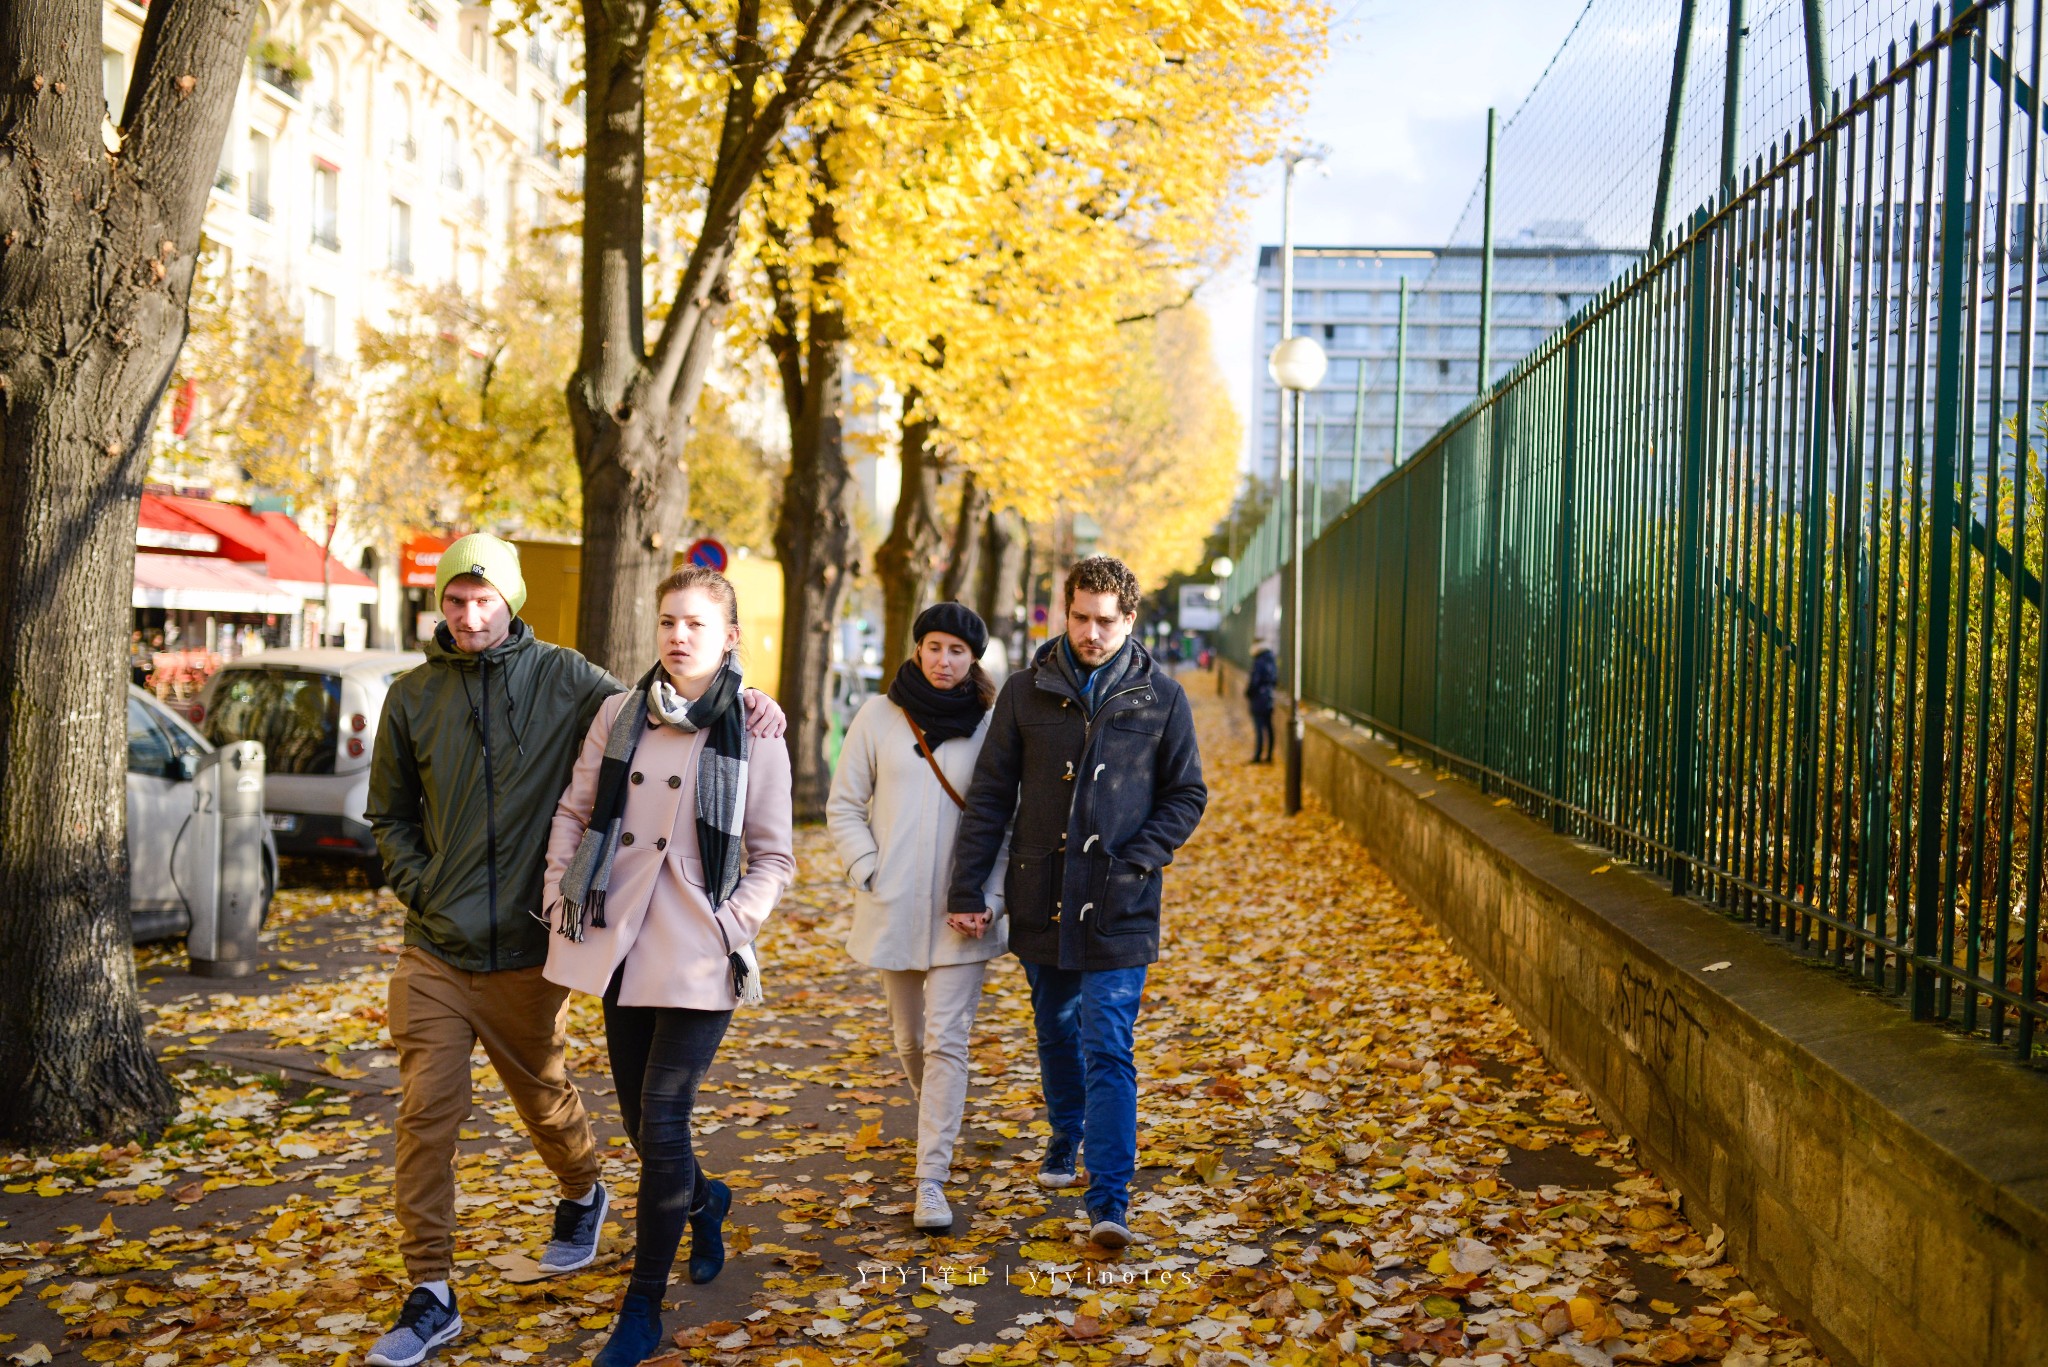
column 814, row 533
column 968, row 534
column 98, row 238
column 631, row 409
column 906, row 560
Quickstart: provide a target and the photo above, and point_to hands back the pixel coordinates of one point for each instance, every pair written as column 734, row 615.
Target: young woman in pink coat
column 669, row 849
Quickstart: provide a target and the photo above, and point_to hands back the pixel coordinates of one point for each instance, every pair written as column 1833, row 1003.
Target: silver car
column 316, row 713
column 163, row 758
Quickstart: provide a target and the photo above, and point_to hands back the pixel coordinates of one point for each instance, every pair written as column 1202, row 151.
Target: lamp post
column 1297, row 365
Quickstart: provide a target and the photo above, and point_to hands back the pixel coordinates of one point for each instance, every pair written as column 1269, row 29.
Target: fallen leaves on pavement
column 1348, row 1151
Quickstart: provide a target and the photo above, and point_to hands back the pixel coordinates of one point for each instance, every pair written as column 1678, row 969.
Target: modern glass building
column 1348, row 298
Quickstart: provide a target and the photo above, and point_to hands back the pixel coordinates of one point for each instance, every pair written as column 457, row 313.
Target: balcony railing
column 225, row 179
column 328, row 116
column 259, row 207
column 401, row 261
column 451, row 177
column 405, row 149
column 478, row 209
column 422, row 11
column 279, row 78
column 327, row 233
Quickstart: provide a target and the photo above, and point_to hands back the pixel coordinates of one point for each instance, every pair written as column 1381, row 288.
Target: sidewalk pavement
column 1349, row 1153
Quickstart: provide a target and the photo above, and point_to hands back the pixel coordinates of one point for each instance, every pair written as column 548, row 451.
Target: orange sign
column 419, row 557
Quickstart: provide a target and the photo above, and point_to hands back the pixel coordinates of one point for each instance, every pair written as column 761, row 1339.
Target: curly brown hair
column 1104, row 574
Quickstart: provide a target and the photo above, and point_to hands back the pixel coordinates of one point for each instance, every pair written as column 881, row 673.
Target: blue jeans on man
column 1087, row 1026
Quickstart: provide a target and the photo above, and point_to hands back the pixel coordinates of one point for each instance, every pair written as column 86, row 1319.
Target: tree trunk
column 904, row 562
column 959, row 580
column 96, row 258
column 999, row 572
column 814, row 539
column 631, row 410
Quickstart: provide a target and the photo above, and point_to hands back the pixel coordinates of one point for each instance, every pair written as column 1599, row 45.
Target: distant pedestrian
column 894, row 810
column 1258, row 693
column 670, row 847
column 1092, row 749
column 472, row 752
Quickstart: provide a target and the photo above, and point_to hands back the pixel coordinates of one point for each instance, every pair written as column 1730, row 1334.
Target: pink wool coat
column 658, row 918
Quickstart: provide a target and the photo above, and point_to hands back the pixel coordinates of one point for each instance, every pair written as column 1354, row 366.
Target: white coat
column 893, row 826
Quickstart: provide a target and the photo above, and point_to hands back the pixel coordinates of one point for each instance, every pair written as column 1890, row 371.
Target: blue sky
column 1402, row 106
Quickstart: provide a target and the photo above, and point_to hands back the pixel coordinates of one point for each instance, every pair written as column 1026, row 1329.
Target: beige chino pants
column 932, row 1012
column 439, row 1015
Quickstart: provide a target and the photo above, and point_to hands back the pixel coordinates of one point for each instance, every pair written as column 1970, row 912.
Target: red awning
column 204, row 583
column 165, row 528
column 419, row 559
column 285, row 552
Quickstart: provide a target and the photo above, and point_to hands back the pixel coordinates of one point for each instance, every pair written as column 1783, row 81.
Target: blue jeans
column 1086, row 1024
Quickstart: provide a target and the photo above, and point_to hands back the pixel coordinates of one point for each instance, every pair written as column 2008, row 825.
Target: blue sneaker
column 1058, row 1168
column 424, row 1324
column 636, row 1334
column 707, row 1233
column 577, row 1227
column 1107, row 1228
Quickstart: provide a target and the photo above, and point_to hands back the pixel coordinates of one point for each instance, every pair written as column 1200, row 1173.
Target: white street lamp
column 1222, row 566
column 1297, row 365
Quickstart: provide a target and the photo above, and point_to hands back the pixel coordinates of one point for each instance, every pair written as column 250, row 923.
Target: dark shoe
column 707, row 1234
column 1057, row 1168
column 424, row 1324
column 577, row 1226
column 636, row 1334
column 1107, row 1228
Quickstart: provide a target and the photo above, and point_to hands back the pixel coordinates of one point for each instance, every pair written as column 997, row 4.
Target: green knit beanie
column 490, row 559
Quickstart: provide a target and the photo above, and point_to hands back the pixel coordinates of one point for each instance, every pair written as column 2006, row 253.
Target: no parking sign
column 706, row 554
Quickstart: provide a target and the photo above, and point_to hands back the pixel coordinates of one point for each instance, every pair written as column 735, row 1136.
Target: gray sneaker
column 933, row 1213
column 577, row 1227
column 424, row 1324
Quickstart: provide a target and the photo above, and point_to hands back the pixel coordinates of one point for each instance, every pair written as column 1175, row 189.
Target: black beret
column 955, row 619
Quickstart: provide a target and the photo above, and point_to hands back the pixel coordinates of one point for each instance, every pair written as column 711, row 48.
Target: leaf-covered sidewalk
column 1350, row 1153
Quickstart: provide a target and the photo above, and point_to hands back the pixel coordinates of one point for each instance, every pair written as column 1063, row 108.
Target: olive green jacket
column 472, row 754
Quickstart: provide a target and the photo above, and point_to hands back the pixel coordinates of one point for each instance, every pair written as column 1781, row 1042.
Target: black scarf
column 942, row 714
column 721, row 791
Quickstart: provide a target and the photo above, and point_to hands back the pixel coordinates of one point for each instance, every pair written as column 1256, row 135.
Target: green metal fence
column 1739, row 575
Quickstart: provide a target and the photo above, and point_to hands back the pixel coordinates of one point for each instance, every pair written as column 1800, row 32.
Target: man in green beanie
column 473, row 752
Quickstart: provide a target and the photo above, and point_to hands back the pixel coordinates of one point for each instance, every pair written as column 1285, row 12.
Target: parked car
column 163, row 759
column 316, row 713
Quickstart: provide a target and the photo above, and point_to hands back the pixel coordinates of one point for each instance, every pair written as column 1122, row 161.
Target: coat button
column 639, row 778
column 626, row 839
column 674, row 781
column 661, row 842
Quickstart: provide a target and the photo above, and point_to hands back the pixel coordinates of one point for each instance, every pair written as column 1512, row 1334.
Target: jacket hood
column 441, row 650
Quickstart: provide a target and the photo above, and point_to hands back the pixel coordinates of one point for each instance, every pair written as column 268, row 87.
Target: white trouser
column 932, row 1012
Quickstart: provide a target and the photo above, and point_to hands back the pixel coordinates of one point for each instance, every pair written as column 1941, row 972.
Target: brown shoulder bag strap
column 937, row 772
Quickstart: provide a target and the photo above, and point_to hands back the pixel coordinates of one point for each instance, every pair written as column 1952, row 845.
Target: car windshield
column 296, row 715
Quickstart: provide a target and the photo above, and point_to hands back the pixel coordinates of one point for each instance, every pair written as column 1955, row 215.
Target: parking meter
column 226, row 890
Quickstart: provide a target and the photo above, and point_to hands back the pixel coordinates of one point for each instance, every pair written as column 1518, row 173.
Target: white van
column 316, row 713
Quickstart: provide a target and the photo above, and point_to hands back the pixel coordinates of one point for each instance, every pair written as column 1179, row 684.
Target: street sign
column 1038, row 615
column 1199, row 607
column 706, row 554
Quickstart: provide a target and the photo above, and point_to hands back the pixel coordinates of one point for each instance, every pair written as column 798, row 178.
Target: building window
column 326, row 207
column 259, row 176
column 401, row 237
column 404, row 147
column 320, row 328
column 451, row 156
column 540, row 126
column 114, row 76
column 479, row 48
column 508, row 65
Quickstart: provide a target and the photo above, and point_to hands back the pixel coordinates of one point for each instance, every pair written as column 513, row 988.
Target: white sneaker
column 932, row 1210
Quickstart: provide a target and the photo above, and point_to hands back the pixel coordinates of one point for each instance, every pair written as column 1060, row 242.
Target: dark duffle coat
column 1100, row 805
